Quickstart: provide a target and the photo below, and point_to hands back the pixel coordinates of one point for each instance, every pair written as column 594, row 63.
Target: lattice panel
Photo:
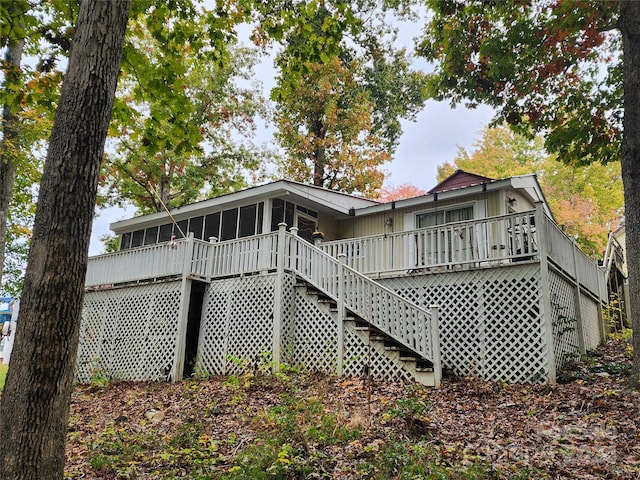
column 460, row 323
column 563, row 318
column 237, row 324
column 490, row 320
column 515, row 343
column 130, row 333
column 590, row 322
column 315, row 334
column 288, row 321
column 366, row 358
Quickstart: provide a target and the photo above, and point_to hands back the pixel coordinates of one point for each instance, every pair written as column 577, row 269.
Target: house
column 474, row 277
column 614, row 263
column 8, row 317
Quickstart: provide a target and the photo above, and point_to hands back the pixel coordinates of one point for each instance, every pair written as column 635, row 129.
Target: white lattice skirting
column 492, row 326
column 129, row 333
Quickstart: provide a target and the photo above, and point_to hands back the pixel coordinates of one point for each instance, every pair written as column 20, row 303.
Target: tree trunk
column 630, row 158
column 319, row 153
column 35, row 402
column 9, row 142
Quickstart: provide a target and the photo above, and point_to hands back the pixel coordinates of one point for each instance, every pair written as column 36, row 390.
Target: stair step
column 393, row 348
column 424, row 369
column 425, row 378
column 422, row 366
column 408, row 356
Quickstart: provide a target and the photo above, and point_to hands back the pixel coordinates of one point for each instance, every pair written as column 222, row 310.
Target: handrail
column 152, row 261
column 378, row 305
column 481, row 242
column 565, row 253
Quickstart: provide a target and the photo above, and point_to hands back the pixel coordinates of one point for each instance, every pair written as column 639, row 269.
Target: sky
column 429, row 141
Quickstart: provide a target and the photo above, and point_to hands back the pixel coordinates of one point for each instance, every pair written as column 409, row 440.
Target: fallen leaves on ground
column 327, row 427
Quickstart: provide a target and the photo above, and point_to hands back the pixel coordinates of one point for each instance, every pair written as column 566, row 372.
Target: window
column 151, row 236
column 125, row 241
column 248, row 217
column 277, row 213
column 195, row 226
column 181, row 227
column 260, row 218
column 137, row 238
column 431, row 219
column 229, row 224
column 212, row 226
column 306, row 227
column 165, row 232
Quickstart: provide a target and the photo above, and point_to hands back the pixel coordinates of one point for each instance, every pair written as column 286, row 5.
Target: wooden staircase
column 379, row 343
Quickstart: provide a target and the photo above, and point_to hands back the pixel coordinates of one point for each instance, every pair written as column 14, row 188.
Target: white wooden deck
column 508, row 288
column 486, row 243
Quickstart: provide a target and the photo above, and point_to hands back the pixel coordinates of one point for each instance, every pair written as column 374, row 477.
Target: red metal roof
column 460, row 179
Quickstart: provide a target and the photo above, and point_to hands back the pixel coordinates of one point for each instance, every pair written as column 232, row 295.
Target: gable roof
column 459, row 179
column 317, row 198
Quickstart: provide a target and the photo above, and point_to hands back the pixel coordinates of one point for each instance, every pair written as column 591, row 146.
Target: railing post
column 578, row 305
column 183, row 311
column 210, row 260
column 342, row 258
column 435, row 344
column 545, row 287
column 279, row 298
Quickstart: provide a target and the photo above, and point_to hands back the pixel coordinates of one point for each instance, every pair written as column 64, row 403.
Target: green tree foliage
column 28, row 96
column 554, row 66
column 326, row 130
column 181, row 111
column 587, row 201
column 373, row 89
column 569, row 69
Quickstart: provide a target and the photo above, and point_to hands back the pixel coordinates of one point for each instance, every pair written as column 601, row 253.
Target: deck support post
column 578, row 304
column 435, row 344
column 342, row 312
column 603, row 299
column 183, row 311
column 279, row 298
column 210, row 256
column 545, row 289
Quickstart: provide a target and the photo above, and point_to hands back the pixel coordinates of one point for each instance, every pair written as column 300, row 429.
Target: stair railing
column 408, row 324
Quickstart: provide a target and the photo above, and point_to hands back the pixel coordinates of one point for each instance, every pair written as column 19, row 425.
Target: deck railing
column 478, row 243
column 566, row 255
column 153, row 261
column 484, row 242
column 407, row 323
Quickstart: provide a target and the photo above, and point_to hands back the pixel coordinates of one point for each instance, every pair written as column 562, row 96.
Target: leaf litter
column 587, row 426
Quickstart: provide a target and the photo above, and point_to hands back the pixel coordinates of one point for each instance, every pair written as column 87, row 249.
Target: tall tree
column 173, row 156
column 629, row 24
column 325, row 127
column 569, row 69
column 587, row 201
column 39, row 382
column 374, row 88
column 183, row 121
